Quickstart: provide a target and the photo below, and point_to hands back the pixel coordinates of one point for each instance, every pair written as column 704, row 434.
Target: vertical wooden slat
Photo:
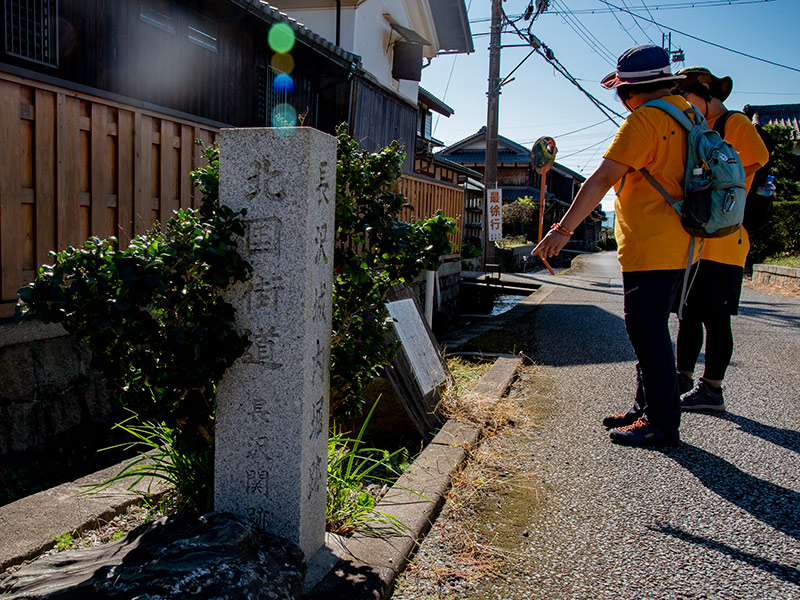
column 168, row 173
column 125, row 177
column 187, row 146
column 100, row 171
column 45, row 175
column 68, row 207
column 11, row 235
column 142, row 175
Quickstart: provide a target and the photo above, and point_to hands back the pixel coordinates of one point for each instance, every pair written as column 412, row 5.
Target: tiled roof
column 479, row 156
column 776, row 114
column 273, row 14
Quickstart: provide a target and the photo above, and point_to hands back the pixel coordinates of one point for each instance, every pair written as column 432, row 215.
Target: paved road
column 717, row 517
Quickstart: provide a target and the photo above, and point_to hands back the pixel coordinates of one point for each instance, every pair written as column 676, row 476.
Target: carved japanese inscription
column 264, row 235
column 263, row 347
column 264, row 182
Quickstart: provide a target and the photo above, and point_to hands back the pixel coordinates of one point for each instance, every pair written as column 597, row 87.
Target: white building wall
column 366, row 32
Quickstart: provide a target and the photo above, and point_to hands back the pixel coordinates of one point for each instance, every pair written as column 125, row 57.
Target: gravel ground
column 549, row 508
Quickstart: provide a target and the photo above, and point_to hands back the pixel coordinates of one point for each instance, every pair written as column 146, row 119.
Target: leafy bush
column 154, row 318
column 374, row 252
column 780, row 235
column 521, row 218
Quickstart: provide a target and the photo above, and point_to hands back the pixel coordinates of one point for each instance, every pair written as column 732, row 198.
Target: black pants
column 719, row 344
column 714, row 297
column 649, row 298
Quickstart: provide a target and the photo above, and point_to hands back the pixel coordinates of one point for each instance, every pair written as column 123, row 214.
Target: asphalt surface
column 717, row 517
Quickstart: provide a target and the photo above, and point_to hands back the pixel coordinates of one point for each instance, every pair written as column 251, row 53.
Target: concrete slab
column 29, row 525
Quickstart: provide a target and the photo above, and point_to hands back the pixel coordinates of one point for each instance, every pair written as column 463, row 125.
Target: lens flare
column 281, row 38
column 282, row 63
column 283, row 84
column 284, row 115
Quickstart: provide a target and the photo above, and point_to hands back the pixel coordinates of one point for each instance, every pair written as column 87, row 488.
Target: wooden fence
column 428, row 196
column 75, row 166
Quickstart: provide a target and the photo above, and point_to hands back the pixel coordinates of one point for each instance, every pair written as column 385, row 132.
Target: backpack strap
column 719, row 124
column 681, row 116
column 659, row 188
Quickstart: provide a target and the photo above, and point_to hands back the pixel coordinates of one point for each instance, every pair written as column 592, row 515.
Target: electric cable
column 635, row 22
column 562, row 157
column 590, row 39
column 699, row 39
column 550, row 57
column 668, row 6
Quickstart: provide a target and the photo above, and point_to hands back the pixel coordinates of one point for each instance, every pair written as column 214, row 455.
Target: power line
column 628, row 31
column 563, row 135
column 588, row 37
column 550, row 57
column 635, row 22
column 589, row 147
column 668, row 6
column 694, row 37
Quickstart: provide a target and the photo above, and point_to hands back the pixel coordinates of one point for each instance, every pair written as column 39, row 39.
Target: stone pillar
column 272, row 404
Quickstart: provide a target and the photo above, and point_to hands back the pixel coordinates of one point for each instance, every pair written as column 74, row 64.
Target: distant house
column 777, row 114
column 518, row 179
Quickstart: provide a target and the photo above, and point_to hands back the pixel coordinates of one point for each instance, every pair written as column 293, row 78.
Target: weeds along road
column 549, row 508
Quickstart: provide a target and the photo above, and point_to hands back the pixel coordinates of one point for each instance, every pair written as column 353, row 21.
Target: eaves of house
column 270, row 15
column 776, row 114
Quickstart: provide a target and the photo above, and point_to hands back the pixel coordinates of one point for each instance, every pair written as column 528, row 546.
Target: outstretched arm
column 589, row 196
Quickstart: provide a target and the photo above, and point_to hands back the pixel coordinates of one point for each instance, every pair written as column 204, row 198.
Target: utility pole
column 493, row 95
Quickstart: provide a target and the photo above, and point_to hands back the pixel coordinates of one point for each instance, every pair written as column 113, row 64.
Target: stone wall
column 775, row 274
column 54, row 411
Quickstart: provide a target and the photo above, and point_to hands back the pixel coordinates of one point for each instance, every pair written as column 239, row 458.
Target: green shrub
column 374, row 252
column 781, row 235
column 153, row 317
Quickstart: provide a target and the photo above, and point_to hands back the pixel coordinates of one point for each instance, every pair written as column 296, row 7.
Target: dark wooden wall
column 105, row 44
column 378, row 119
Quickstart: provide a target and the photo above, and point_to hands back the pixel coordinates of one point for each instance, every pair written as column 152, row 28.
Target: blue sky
column 539, row 101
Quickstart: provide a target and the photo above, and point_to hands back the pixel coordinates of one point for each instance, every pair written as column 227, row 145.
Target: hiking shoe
column 685, row 383
column 619, row 420
column 703, row 397
column 642, row 433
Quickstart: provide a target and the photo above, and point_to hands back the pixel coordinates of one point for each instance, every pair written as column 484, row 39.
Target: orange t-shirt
column 648, row 230
column 743, row 136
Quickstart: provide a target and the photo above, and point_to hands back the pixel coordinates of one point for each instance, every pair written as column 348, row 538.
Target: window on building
column 31, row 30
column 203, row 31
column 158, row 13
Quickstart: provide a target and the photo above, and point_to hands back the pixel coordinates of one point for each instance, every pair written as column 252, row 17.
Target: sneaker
column 685, row 383
column 703, row 397
column 642, row 433
column 619, row 420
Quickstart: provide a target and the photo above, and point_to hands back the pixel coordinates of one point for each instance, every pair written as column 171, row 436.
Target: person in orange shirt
column 653, row 246
column 714, row 295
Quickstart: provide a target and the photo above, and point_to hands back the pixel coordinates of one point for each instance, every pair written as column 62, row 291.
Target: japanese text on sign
column 495, row 215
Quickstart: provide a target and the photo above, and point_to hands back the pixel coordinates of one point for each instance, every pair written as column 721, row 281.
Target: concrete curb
column 526, row 305
column 362, row 566
column 28, row 526
column 367, row 563
column 777, row 274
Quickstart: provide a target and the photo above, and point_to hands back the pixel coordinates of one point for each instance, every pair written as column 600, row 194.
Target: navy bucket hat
column 641, row 64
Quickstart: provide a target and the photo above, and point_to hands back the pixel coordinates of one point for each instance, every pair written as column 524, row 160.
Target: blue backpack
column 714, row 191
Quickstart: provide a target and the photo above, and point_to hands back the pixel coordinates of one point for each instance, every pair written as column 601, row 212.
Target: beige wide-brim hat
column 641, row 64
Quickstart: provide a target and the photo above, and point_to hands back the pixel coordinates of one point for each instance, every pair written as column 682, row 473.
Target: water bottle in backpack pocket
column 714, row 181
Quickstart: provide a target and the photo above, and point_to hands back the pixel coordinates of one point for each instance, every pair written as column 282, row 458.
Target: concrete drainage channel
column 362, row 566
